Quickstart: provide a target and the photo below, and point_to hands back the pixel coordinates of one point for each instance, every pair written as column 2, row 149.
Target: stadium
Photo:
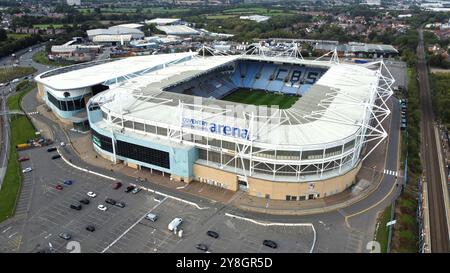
column 275, row 125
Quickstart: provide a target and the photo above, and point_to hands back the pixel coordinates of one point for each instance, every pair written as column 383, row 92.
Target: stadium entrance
column 242, row 183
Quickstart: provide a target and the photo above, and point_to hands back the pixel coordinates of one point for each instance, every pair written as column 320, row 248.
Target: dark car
column 213, row 234
column 129, row 188
column 84, row 201
column 56, row 156
column 75, row 206
column 270, row 243
column 201, row 247
column 117, row 185
column 65, row 236
column 52, row 149
column 68, row 182
column 120, row 204
column 90, row 228
column 110, row 201
column 23, row 158
column 59, row 187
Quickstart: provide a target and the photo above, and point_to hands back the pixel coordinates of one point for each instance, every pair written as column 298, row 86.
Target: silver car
column 65, row 236
column 152, row 217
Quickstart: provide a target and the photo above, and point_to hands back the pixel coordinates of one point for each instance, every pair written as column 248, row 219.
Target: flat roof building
column 178, row 30
column 163, row 21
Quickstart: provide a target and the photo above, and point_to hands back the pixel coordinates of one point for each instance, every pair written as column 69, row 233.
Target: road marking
column 171, row 197
column 85, row 170
column 46, row 237
column 374, row 205
column 13, row 234
column 132, row 226
column 266, row 224
column 390, row 172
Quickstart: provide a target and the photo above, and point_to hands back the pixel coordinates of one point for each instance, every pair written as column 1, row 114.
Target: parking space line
column 7, row 229
column 171, row 197
column 85, row 170
column 278, row 224
column 132, row 226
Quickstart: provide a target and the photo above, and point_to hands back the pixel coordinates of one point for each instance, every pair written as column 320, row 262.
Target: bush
column 22, row 84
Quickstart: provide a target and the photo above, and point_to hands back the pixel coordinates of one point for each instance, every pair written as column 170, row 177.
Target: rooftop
column 89, row 74
column 323, row 115
column 162, row 21
column 178, row 30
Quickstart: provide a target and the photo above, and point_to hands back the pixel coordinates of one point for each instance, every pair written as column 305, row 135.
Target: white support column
column 113, row 140
column 340, row 161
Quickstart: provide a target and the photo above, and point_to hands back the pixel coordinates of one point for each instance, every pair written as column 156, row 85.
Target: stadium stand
column 288, row 79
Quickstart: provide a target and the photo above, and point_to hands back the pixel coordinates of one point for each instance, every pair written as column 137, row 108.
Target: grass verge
column 41, row 58
column 11, row 73
column 21, row 131
column 405, row 236
column 383, row 230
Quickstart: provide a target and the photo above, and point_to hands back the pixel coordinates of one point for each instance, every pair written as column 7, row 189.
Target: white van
column 15, row 80
column 175, row 224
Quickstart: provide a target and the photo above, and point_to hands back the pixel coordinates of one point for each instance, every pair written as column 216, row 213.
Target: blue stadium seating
column 253, row 75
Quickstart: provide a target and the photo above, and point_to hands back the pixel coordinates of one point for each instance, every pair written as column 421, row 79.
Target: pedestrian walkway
column 390, row 172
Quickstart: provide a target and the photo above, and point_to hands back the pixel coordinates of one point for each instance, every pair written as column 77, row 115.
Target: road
column 438, row 215
column 25, row 57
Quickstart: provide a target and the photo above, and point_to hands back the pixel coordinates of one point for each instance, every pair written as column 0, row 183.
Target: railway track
column 438, row 215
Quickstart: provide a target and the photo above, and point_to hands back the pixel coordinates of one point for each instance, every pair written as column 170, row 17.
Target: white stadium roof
column 97, row 74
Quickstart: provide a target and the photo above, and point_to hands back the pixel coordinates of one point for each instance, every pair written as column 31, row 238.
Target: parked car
column 91, row 194
column 51, row 149
column 23, row 158
column 120, row 204
column 110, row 201
column 102, row 207
column 75, row 206
column 90, row 228
column 130, row 188
column 152, row 217
column 65, row 236
column 270, row 243
column 136, row 190
column 58, row 187
column 84, row 201
column 68, row 182
column 202, row 247
column 56, row 156
column 117, row 185
column 27, row 170
column 213, row 234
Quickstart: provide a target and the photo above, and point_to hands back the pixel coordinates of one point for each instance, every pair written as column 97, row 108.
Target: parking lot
column 46, row 213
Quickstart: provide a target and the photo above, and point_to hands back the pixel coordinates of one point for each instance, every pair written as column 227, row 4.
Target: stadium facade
column 170, row 118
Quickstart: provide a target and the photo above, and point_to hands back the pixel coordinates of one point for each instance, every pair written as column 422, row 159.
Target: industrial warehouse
column 177, row 115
